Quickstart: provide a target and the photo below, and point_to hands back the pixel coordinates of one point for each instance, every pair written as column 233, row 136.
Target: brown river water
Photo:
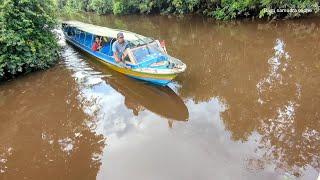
column 247, row 107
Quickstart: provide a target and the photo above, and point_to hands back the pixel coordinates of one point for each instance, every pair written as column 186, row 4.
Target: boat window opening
column 70, row 33
column 112, row 40
column 84, row 38
column 110, row 46
column 66, row 29
column 77, row 35
column 142, row 40
column 81, row 37
column 74, row 31
column 92, row 39
column 69, row 30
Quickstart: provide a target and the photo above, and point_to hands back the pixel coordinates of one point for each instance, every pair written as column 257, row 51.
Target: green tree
column 218, row 9
column 100, row 6
column 27, row 40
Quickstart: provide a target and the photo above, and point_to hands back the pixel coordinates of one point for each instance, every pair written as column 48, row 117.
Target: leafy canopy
column 219, row 9
column 27, row 41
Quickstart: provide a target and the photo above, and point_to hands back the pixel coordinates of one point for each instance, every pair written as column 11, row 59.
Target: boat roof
column 107, row 32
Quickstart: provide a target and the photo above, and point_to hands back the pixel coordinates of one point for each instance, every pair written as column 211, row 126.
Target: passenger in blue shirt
column 118, row 48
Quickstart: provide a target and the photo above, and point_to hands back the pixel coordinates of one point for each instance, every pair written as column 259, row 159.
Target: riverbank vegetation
column 218, row 9
column 27, row 41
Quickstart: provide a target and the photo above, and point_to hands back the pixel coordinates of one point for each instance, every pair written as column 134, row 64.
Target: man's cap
column 120, row 34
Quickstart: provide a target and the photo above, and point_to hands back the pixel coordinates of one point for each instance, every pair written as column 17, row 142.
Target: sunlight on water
column 278, row 63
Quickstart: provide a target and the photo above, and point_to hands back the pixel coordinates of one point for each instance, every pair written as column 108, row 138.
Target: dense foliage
column 219, row 9
column 27, row 41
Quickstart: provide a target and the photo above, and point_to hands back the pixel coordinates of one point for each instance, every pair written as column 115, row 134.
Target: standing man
column 118, row 48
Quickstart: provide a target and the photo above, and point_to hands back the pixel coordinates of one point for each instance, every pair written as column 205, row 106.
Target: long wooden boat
column 147, row 58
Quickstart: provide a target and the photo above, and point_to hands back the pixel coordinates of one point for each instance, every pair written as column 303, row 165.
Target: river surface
column 247, row 107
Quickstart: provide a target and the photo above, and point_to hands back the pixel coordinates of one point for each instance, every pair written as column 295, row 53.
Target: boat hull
column 159, row 79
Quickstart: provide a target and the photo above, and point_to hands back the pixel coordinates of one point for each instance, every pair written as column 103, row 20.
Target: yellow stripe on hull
column 139, row 74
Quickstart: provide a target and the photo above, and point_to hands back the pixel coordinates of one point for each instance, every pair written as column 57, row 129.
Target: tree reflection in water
column 49, row 140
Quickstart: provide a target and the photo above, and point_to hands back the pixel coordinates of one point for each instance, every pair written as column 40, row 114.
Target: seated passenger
column 96, row 45
column 119, row 47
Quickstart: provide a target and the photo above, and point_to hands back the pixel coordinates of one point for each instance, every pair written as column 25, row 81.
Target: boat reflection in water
column 140, row 95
